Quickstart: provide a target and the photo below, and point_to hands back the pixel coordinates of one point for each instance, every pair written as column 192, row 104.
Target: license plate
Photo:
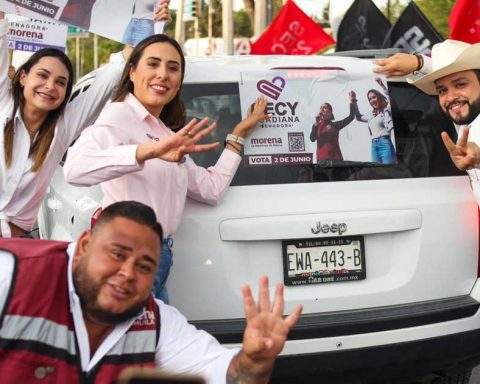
column 326, row 260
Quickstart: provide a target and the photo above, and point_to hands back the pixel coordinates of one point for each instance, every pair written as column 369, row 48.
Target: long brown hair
column 173, row 113
column 382, row 101
column 41, row 144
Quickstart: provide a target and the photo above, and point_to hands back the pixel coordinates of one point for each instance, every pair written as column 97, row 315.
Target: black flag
column 363, row 27
column 412, row 32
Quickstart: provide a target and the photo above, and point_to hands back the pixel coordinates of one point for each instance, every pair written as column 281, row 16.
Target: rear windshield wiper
column 346, row 164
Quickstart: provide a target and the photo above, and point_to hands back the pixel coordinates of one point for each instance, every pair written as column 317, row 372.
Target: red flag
column 291, row 33
column 464, row 21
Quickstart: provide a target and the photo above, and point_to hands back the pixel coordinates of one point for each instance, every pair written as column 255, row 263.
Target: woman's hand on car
column 255, row 114
column 176, row 146
column 397, row 65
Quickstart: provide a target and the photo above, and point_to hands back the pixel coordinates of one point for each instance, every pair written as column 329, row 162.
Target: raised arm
column 103, row 152
column 82, row 111
column 382, row 85
column 264, row 336
column 353, row 105
column 245, row 127
column 340, row 124
column 401, row 64
column 209, row 184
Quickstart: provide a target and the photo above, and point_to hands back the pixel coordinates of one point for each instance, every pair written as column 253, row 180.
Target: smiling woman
column 125, row 150
column 39, row 125
column 39, row 94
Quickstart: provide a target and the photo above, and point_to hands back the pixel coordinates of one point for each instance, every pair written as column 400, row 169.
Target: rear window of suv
column 418, row 122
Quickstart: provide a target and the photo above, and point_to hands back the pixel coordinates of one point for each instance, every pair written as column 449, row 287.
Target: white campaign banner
column 126, row 21
column 32, row 35
column 34, row 8
column 319, row 115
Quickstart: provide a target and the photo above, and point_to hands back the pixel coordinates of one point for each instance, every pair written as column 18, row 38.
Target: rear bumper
column 392, row 363
column 394, row 344
column 363, row 321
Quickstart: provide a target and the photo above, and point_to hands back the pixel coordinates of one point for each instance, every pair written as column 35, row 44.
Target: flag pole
column 227, row 26
column 179, row 24
column 260, row 17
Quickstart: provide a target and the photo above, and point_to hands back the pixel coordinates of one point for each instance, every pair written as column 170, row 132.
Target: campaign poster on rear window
column 321, row 115
column 126, row 21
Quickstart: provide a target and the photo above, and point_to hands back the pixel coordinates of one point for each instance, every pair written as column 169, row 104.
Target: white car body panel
column 420, row 236
column 366, row 340
column 402, row 258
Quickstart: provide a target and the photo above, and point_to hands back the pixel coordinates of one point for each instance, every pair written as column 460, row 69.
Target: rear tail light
column 95, row 217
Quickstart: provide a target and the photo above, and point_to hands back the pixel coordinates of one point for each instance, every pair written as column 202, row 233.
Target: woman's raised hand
column 162, row 13
column 352, row 97
column 255, row 115
column 176, row 146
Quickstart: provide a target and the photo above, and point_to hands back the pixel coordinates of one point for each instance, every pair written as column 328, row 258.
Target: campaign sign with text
column 32, row 35
column 317, row 114
column 126, row 21
column 34, row 8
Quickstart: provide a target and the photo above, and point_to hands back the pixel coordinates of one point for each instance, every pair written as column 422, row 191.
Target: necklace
column 32, row 132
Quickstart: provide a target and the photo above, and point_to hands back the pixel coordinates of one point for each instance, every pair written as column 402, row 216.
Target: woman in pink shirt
column 39, row 124
column 120, row 150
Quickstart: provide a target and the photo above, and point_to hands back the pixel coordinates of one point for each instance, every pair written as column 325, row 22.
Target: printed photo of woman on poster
column 142, row 23
column 380, row 125
column 325, row 130
column 130, row 21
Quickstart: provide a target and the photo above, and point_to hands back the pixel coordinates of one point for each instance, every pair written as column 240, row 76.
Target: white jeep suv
column 411, row 316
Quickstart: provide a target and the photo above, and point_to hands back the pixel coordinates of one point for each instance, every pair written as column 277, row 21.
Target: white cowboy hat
column 449, row 57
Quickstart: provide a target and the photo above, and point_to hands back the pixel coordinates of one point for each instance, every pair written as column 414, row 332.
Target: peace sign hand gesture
column 464, row 154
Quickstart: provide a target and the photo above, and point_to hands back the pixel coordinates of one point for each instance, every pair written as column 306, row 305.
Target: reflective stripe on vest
column 135, row 342
column 16, row 327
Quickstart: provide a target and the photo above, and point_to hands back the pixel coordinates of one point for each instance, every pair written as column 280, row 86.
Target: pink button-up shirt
column 106, row 153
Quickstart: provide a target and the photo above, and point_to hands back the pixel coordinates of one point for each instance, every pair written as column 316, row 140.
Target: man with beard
column 455, row 77
column 84, row 312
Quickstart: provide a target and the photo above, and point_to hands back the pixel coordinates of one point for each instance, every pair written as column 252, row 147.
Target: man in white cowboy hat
column 455, row 77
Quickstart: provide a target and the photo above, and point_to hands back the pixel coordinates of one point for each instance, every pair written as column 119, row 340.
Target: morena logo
column 270, row 88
